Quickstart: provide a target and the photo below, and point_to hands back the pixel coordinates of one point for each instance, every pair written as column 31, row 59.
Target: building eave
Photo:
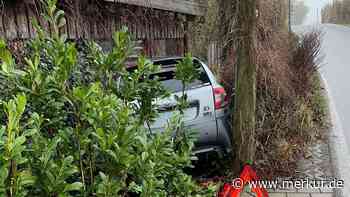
column 190, row 7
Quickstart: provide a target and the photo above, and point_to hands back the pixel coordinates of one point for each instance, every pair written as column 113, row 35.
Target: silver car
column 208, row 106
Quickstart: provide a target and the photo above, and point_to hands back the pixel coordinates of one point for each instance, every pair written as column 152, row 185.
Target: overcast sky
column 315, row 6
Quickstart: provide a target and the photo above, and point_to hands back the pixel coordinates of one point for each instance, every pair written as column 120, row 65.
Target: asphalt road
column 336, row 71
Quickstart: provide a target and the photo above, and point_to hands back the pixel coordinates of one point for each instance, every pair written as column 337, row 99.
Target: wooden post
column 245, row 88
column 2, row 31
column 186, row 37
column 290, row 15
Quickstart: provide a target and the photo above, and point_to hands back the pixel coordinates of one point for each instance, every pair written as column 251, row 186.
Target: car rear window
column 167, row 75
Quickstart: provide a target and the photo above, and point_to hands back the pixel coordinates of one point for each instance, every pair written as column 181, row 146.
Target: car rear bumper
column 220, row 140
column 214, row 134
column 224, row 133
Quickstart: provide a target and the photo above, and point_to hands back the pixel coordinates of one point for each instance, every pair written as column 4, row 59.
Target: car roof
column 157, row 59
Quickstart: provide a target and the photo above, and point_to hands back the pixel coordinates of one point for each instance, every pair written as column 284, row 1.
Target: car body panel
column 211, row 125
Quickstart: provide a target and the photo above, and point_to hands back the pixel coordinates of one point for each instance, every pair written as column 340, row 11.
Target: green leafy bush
column 74, row 125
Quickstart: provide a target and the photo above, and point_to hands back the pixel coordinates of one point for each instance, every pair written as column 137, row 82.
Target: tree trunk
column 245, row 99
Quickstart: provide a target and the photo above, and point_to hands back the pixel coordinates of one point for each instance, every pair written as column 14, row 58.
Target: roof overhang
column 191, row 7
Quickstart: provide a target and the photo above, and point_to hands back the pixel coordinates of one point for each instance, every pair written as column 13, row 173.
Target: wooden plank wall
column 214, row 54
column 215, row 57
column 163, row 32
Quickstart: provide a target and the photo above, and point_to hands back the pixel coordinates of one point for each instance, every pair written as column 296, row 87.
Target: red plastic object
column 247, row 175
column 220, row 97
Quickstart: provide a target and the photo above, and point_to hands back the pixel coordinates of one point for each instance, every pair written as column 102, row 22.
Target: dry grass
column 287, row 115
column 289, row 103
column 305, row 61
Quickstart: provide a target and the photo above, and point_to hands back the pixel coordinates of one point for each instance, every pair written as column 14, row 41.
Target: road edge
column 340, row 156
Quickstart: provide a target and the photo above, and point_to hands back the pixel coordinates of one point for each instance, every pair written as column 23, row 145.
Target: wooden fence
column 162, row 32
column 215, row 57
